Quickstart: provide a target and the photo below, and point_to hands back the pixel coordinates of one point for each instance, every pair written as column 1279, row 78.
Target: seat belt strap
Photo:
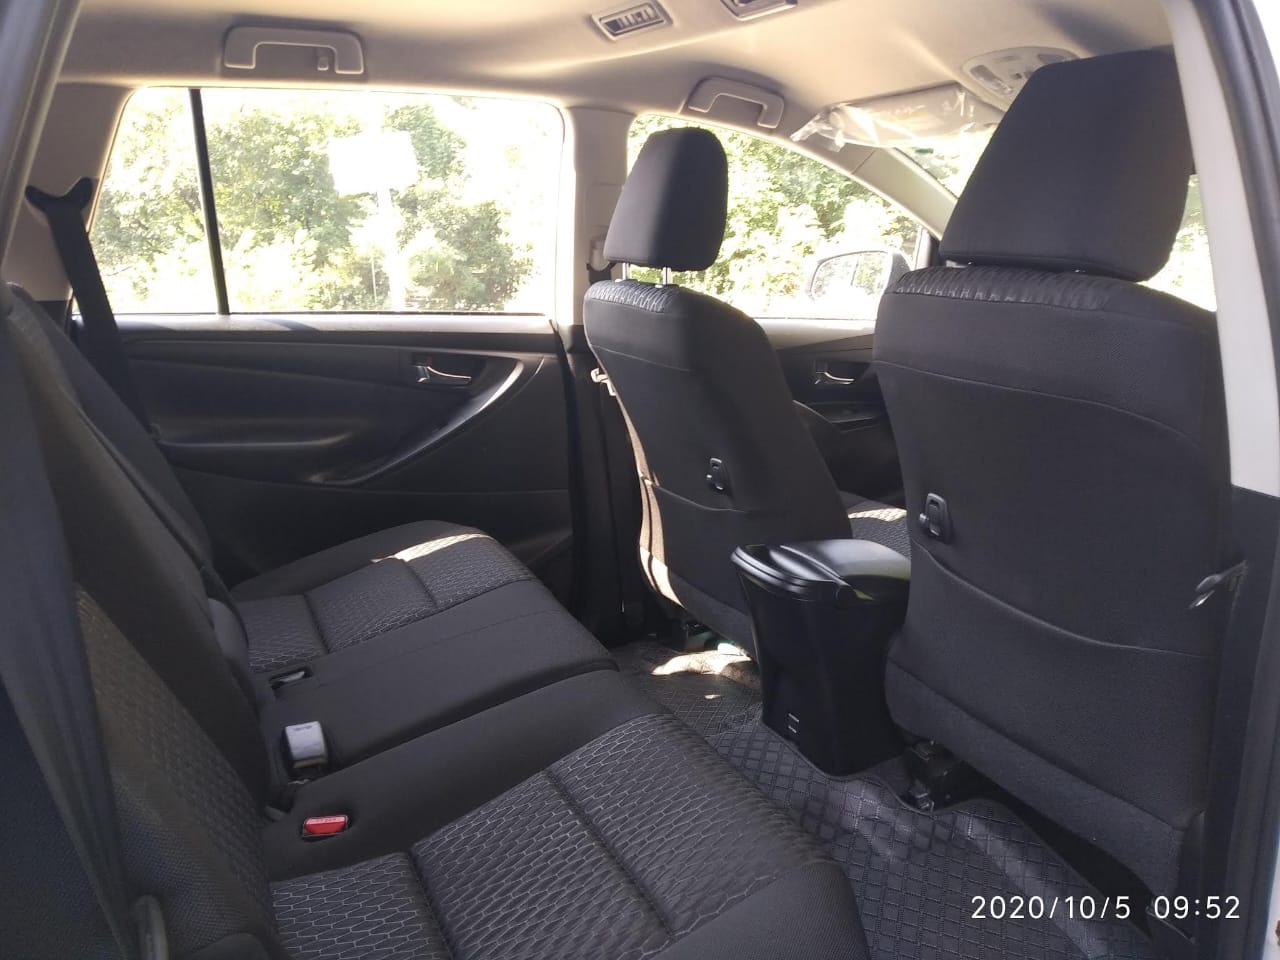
column 47, row 693
column 624, row 493
column 102, row 344
column 214, row 585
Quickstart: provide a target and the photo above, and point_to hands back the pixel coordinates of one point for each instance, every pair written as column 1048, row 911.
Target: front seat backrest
column 1072, row 424
column 724, row 459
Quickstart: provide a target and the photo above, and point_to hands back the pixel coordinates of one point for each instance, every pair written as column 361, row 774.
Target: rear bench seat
column 398, row 632
column 553, row 811
column 578, row 821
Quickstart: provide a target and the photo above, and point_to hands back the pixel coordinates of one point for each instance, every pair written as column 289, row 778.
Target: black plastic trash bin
column 823, row 613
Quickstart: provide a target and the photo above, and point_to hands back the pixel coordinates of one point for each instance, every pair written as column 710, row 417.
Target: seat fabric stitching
column 425, row 589
column 576, row 809
column 430, row 904
column 315, row 622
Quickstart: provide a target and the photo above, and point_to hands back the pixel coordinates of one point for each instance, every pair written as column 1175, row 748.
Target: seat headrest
column 673, row 206
column 1088, row 172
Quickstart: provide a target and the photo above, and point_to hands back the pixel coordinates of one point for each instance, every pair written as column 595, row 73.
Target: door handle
column 823, row 377
column 425, row 373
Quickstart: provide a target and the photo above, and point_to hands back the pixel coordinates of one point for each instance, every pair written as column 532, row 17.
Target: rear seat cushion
column 632, row 842
column 347, row 594
column 581, row 822
column 398, row 796
column 424, row 675
column 879, row 522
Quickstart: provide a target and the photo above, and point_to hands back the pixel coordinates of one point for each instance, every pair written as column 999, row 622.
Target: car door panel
column 827, row 366
column 292, row 436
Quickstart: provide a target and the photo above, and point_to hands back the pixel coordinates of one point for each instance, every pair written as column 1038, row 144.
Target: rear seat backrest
column 114, row 421
column 132, row 565
column 190, row 827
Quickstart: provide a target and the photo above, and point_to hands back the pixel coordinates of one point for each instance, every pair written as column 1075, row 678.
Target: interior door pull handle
column 426, row 373
column 822, row 375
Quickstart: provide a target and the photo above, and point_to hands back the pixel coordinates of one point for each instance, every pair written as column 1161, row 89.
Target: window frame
column 339, row 318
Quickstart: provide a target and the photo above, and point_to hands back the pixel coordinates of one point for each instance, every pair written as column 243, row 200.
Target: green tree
column 147, row 226
column 291, row 241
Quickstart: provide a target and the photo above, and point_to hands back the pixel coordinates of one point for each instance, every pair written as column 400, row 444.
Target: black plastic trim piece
column 1235, row 38
column 208, row 205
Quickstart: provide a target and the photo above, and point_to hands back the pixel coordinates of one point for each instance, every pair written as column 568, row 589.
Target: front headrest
column 1088, row 171
column 672, row 209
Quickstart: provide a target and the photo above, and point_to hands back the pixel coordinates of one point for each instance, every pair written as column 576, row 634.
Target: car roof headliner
column 821, row 51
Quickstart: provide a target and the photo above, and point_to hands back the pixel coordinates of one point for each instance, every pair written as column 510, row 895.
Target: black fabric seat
column 341, row 597
column 723, row 456
column 574, row 819
column 1073, row 423
column 581, row 821
column 399, row 632
column 318, row 604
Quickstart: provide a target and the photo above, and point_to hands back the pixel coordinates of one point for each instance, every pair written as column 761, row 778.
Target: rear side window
column 803, row 240
column 332, row 201
column 148, row 230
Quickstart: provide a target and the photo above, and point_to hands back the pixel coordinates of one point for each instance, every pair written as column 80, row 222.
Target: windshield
column 950, row 160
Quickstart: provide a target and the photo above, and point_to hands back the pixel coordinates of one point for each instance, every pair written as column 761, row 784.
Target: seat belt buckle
column 306, row 753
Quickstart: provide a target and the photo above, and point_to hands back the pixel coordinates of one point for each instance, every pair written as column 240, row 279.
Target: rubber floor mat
column 917, row 875
column 711, row 691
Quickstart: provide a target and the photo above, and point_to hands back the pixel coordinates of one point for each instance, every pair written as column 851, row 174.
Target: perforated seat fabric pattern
column 878, row 522
column 189, row 826
column 375, row 910
column 618, row 850
column 422, row 577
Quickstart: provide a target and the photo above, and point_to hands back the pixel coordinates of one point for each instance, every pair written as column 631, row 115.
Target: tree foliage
column 290, row 240
column 465, row 226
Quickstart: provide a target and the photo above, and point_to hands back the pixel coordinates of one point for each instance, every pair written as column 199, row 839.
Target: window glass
column 376, row 201
column 951, row 160
column 803, row 241
column 339, row 201
column 148, row 230
column 1189, row 272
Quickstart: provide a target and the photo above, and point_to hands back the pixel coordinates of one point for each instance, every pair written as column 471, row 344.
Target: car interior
column 697, row 478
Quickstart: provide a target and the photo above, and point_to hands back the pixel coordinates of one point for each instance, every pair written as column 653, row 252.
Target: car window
column 148, row 231
column 333, row 201
column 951, row 160
column 803, row 241
column 1189, row 272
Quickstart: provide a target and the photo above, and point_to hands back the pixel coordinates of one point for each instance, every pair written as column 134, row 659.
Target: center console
column 822, row 615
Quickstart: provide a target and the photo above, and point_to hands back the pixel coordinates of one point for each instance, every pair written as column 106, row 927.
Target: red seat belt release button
column 314, row 828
